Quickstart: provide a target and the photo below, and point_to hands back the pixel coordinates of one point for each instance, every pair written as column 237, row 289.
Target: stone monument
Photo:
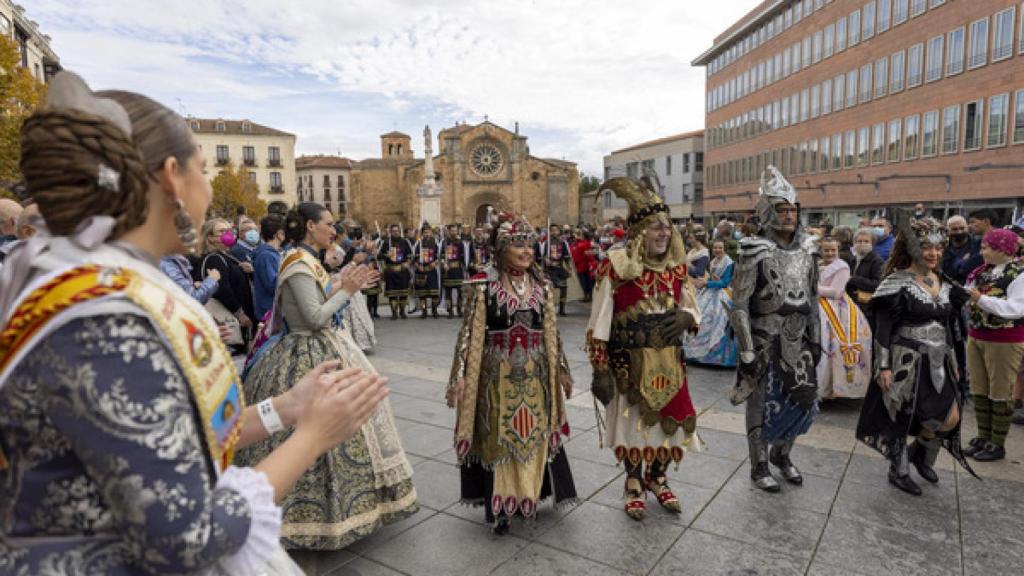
column 429, row 192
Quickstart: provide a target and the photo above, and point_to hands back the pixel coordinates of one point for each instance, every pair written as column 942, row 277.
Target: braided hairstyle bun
column 297, row 218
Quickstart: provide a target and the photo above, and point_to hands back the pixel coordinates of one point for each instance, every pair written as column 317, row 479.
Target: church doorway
column 481, row 214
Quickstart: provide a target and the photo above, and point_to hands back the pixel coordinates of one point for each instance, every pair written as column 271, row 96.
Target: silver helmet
column 775, row 189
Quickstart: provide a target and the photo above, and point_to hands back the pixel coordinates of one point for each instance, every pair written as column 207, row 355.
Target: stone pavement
column 846, row 520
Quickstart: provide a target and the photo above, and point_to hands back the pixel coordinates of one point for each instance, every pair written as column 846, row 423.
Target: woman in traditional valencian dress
column 356, row 316
column 714, row 344
column 845, row 366
column 508, row 379
column 120, row 408
column 915, row 389
column 697, row 258
column 365, row 483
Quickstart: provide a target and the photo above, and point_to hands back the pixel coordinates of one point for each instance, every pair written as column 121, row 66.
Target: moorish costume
column 715, row 344
column 428, row 280
column 511, row 420
column 642, row 305
column 845, row 366
column 456, row 263
column 775, row 316
column 393, row 256
column 366, row 482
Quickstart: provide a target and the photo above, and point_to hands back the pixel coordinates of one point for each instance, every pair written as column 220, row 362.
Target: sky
column 582, row 78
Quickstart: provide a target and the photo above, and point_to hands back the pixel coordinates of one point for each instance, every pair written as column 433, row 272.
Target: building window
column 632, row 170
column 998, row 112
column 785, row 112
column 788, row 18
column 868, row 20
column 826, row 97
column 815, row 101
column 915, row 56
column 698, row 162
column 5, row 25
column 838, row 92
column 896, row 72
column 854, row 31
column 930, row 134
column 220, row 127
column 837, row 151
column 1018, row 119
column 275, row 182
column 816, row 48
column 794, row 108
column 698, row 192
column 823, row 155
column 901, row 10
column 933, row 71
column 865, row 82
column 252, row 177
column 955, row 52
column 802, row 166
column 917, row 7
column 979, row 44
column 912, row 124
column 895, row 139
column 950, row 129
column 851, row 88
column 249, row 155
column 327, row 181
column 327, row 194
column 194, row 124
column 862, row 147
column 686, row 192
column 973, row 113
column 884, row 15
column 812, row 150
column 796, row 57
column 246, row 127
column 1002, row 34
column 805, row 105
column 881, row 76
column 222, row 155
column 878, row 143
column 828, row 42
column 841, row 34
column 274, row 155
column 341, row 182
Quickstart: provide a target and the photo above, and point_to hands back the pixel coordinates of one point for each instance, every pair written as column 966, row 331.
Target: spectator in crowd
column 179, row 269
column 27, row 225
column 980, row 222
column 234, row 292
column 248, row 238
column 867, row 269
column 583, row 259
column 844, row 369
column 959, row 250
column 920, row 211
column 9, row 212
column 844, row 236
column 882, row 230
column 724, row 232
column 266, row 259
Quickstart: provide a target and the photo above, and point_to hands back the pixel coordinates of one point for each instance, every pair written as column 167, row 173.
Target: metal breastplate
column 785, row 285
column 929, row 340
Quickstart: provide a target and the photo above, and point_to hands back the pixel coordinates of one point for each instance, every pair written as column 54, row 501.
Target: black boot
column 502, row 524
column 401, row 308
column 394, row 311
column 899, row 473
column 760, row 474
column 561, row 309
column 433, row 309
column 780, row 458
column 922, row 455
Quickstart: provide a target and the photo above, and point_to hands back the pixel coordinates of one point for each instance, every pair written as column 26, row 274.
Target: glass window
column 222, row 154
column 786, row 63
column 798, row 12
column 848, row 148
column 851, row 88
column 893, row 154
column 854, row 37
column 862, row 147
column 884, row 15
column 930, row 134
column 934, row 3
column 829, row 41
column 823, row 154
column 973, row 113
column 826, row 97
column 788, row 18
column 978, row 54
column 806, row 52
column 778, row 66
column 805, row 105
column 998, row 119
column 837, row 151
column 812, row 151
column 865, row 82
column 796, row 57
column 868, row 20
column 912, row 124
column 933, row 71
column 950, row 129
column 815, row 101
column 900, row 11
column 1018, row 118
column 917, row 7
column 881, row 76
column 915, row 57
column 955, row 52
column 896, row 72
column 275, row 181
column 1002, row 34
column 839, row 92
column 794, row 108
column 785, row 112
column 841, row 34
column 878, row 143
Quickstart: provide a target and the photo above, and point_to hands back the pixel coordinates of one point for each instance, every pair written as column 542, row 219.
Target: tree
column 233, row 188
column 20, row 93
column 589, row 184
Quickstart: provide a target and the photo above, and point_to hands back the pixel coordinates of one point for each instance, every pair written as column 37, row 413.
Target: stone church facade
column 476, row 167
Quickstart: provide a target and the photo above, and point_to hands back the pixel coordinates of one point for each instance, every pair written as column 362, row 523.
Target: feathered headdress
column 645, row 207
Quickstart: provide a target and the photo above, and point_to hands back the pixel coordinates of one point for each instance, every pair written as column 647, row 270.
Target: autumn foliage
column 232, row 188
column 20, row 93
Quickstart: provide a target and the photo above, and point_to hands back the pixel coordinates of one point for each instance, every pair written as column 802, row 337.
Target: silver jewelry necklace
column 518, row 285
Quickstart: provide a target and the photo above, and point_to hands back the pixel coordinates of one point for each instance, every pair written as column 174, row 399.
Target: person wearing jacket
column 266, row 259
column 867, row 269
column 177, row 268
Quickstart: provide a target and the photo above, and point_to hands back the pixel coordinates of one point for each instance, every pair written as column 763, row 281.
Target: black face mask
column 958, row 238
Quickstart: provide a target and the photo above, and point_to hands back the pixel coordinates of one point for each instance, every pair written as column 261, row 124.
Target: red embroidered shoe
column 636, row 505
column 664, row 494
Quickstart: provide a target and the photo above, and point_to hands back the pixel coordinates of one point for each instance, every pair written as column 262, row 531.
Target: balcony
column 277, row 189
column 250, row 162
column 223, row 160
column 274, row 162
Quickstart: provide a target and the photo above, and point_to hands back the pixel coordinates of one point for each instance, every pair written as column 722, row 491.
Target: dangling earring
column 184, row 227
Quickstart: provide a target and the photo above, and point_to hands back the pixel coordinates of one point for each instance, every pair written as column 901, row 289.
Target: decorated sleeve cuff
column 264, row 531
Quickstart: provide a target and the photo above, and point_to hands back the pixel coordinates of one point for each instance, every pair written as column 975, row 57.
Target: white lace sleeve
column 265, row 529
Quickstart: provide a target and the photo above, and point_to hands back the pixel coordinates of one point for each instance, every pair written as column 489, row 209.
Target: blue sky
column 582, row 78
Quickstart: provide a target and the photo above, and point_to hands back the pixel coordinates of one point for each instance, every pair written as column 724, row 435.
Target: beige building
column 326, row 181
column 477, row 167
column 678, row 160
column 268, row 154
column 33, row 45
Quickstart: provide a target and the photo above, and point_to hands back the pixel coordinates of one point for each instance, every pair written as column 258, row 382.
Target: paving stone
column 424, row 411
column 424, row 440
column 993, row 526
column 591, row 477
column 793, row 531
column 724, row 444
column 815, row 495
column 388, row 532
column 874, row 470
column 586, row 446
column 418, row 388
column 610, row 537
column 437, row 484
column 319, row 563
column 820, row 461
column 856, row 545
column 699, row 553
column 932, row 515
column 445, row 545
column 693, row 500
column 364, row 567
column 703, row 469
column 821, row 569
column 537, row 560
column 581, row 419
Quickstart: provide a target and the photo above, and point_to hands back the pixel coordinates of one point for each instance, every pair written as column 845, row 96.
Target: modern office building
column 678, row 161
column 867, row 104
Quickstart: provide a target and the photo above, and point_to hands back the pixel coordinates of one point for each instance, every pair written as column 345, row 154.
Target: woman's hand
column 973, row 295
column 224, row 332
column 341, row 403
column 566, row 382
column 213, row 273
column 246, row 267
column 885, row 380
column 354, row 278
column 454, row 393
column 293, row 405
column 700, row 282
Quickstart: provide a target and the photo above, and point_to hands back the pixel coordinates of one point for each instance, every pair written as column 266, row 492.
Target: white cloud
column 602, row 73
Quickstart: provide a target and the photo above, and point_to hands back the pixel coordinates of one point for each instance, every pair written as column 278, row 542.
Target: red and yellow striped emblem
column 523, row 422
column 660, row 383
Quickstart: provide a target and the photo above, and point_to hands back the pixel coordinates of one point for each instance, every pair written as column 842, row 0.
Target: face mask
column 252, row 237
column 228, row 239
column 958, row 238
column 737, row 235
column 878, row 231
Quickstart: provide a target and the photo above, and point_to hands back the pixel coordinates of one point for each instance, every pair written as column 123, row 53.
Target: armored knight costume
column 913, row 340
column 642, row 305
column 427, row 283
column 508, row 377
column 395, row 252
column 775, row 317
